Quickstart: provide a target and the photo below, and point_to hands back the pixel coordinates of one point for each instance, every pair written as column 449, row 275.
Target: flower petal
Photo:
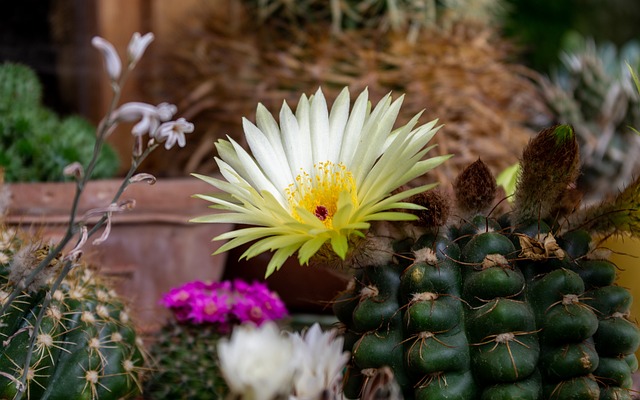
column 275, row 167
column 338, row 118
column 352, row 137
column 319, row 128
column 296, row 139
column 112, row 62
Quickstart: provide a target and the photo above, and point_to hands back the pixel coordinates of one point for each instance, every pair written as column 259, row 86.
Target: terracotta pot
column 150, row 249
column 303, row 288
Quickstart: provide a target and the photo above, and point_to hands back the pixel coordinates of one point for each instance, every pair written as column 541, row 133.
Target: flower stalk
column 159, row 129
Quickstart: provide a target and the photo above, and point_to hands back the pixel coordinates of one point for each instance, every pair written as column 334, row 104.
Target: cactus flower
column 320, row 372
column 319, row 178
column 258, row 363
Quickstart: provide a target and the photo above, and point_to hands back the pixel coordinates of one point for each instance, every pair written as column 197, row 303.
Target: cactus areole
column 86, row 346
column 519, row 306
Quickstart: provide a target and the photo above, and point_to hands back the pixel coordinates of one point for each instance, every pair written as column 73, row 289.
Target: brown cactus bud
column 475, row 190
column 437, row 208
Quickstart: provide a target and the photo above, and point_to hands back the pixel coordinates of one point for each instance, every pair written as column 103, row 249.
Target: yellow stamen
column 318, row 193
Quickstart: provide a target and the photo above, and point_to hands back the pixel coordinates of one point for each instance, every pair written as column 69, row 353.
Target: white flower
column 137, row 46
column 318, row 178
column 149, row 116
column 173, row 132
column 110, row 57
column 322, row 360
column 258, row 363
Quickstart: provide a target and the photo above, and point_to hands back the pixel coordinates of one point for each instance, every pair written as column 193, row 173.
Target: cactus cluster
column 85, row 347
column 519, row 306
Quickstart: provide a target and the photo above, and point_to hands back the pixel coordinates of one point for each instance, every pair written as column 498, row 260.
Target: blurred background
column 493, row 71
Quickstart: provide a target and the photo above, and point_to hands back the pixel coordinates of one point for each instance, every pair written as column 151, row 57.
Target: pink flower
column 224, row 304
column 209, row 309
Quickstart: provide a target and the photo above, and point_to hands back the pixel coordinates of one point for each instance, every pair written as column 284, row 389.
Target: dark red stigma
column 321, row 212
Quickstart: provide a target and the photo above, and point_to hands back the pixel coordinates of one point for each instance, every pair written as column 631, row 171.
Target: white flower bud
column 166, row 111
column 143, row 177
column 110, row 57
column 137, row 47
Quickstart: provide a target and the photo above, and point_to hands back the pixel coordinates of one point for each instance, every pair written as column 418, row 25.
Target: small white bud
column 110, row 57
column 137, row 46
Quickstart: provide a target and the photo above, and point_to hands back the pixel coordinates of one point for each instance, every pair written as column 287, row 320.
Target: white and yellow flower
column 258, row 363
column 322, row 360
column 318, row 178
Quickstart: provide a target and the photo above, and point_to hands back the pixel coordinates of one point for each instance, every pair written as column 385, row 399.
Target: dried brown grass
column 461, row 75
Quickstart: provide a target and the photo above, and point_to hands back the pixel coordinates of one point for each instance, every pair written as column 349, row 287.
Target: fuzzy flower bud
column 475, row 189
column 549, row 167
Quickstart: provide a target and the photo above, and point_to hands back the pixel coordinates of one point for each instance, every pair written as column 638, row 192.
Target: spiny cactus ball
column 86, row 346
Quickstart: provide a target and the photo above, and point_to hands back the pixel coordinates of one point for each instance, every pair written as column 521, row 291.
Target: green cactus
column 35, row 143
column 20, row 88
column 86, row 346
column 521, row 306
